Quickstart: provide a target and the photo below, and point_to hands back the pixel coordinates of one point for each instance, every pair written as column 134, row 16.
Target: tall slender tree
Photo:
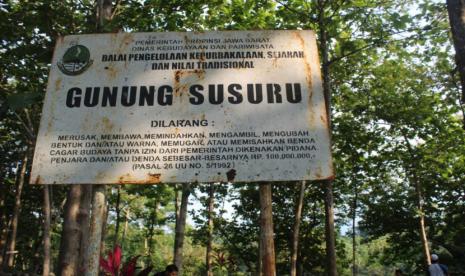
column 11, row 247
column 68, row 260
column 456, row 9
column 47, row 233
column 181, row 227
column 210, row 211
column 267, row 249
column 296, row 228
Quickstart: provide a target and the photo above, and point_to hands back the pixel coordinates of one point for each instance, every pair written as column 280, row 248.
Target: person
column 437, row 269
column 170, row 270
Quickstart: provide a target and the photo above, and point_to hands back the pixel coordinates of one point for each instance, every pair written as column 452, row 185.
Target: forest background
column 397, row 128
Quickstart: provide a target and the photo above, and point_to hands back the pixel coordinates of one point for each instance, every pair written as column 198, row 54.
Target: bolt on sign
column 183, row 107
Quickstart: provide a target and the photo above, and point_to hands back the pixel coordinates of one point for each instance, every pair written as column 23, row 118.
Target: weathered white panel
column 184, row 107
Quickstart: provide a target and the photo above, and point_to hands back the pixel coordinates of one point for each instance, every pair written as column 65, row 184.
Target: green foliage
column 389, row 70
column 22, row 100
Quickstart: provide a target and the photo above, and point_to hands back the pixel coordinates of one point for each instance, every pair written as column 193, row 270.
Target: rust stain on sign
column 318, row 173
column 183, row 79
column 37, row 181
column 308, row 77
column 152, row 178
column 100, row 176
column 58, row 84
column 107, row 124
column 308, row 68
column 112, row 72
column 177, row 82
column 126, row 41
column 231, row 174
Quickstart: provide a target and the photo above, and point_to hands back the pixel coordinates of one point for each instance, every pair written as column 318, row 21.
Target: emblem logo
column 75, row 60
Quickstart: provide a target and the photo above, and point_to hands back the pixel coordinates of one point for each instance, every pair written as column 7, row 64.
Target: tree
column 47, row 231
column 388, row 67
column 296, row 228
column 407, row 131
column 181, row 226
column 456, row 9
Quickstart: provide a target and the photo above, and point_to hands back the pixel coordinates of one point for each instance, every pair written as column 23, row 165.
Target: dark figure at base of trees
column 437, row 269
column 170, row 270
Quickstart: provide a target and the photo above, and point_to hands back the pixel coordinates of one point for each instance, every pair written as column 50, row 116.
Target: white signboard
column 183, row 107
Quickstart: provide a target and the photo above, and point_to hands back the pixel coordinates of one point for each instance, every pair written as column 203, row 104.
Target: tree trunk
column 420, row 200
column 266, row 231
column 176, row 202
column 104, row 11
column 329, row 228
column 153, row 224
column 97, row 219
column 84, row 223
column 424, row 238
column 118, row 215
column 47, row 239
column 70, row 237
column 354, row 236
column 16, row 211
column 146, row 247
column 125, row 230
column 329, row 200
column 104, row 228
column 296, row 228
column 95, row 235
column 35, row 245
column 4, row 224
column 300, row 263
column 456, row 9
column 180, row 226
column 211, row 193
column 260, row 257
column 421, row 220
